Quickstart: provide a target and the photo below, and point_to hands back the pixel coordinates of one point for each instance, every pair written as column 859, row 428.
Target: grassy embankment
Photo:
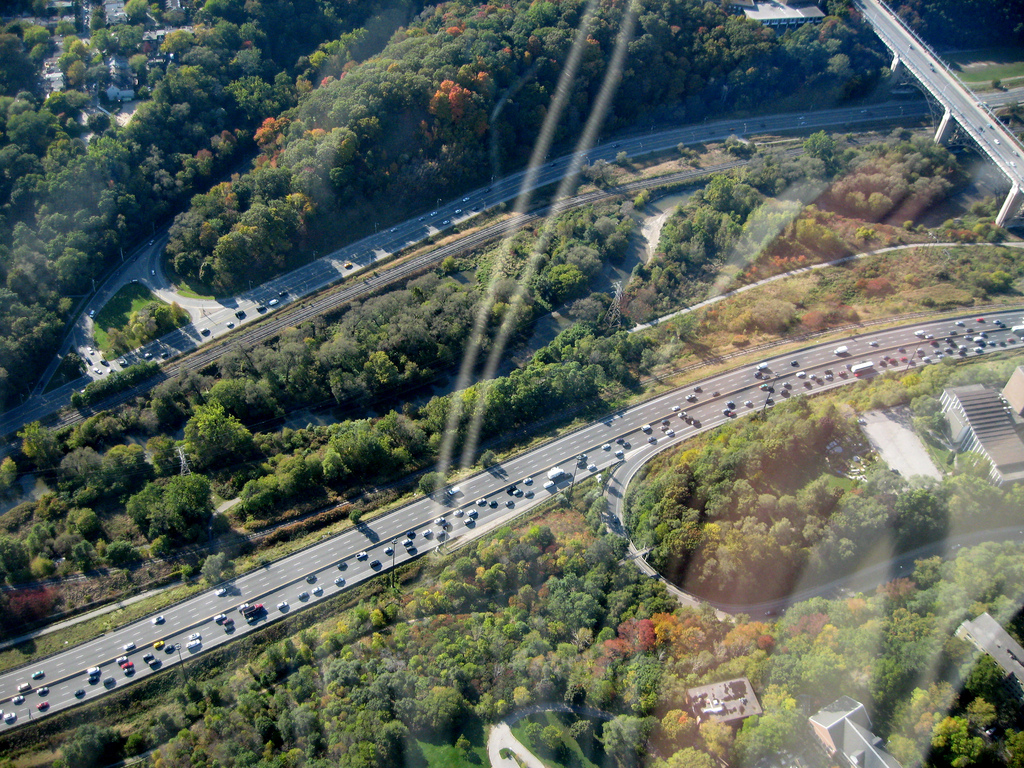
column 979, row 68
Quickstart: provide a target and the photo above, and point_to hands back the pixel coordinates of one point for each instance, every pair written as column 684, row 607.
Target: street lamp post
column 181, row 661
column 394, row 554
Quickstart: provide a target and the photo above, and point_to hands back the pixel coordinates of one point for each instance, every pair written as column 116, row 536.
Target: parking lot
column 891, row 433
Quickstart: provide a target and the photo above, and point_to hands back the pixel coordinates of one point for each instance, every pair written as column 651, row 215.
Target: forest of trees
column 457, row 97
column 949, row 22
column 75, row 192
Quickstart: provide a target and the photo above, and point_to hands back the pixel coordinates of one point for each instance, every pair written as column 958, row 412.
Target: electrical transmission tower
column 183, row 460
column 615, row 310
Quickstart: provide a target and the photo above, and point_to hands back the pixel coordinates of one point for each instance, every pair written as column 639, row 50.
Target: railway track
column 356, row 289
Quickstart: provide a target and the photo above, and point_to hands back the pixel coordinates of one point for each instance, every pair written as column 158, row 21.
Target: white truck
column 841, row 351
column 862, row 369
column 557, row 474
column 1018, row 330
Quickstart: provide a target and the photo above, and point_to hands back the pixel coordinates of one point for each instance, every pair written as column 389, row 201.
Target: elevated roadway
column 961, row 106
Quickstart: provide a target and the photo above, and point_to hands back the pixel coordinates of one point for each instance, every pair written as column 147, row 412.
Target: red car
column 42, row 706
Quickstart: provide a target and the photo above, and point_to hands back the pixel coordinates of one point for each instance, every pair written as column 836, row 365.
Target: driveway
column 500, row 738
column 891, row 433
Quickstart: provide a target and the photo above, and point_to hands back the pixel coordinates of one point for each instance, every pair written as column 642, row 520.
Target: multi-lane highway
column 222, row 316
column 313, row 572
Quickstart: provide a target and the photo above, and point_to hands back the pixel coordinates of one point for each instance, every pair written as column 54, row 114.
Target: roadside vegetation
column 134, row 316
column 427, row 118
column 747, row 512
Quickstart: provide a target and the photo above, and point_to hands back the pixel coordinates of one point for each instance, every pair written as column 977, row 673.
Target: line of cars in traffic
column 469, row 514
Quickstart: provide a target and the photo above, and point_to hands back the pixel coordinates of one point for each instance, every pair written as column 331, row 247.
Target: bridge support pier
column 1010, row 206
column 897, row 65
column 946, row 126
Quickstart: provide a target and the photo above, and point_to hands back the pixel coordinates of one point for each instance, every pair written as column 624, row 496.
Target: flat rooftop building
column 778, row 13
column 727, row 702
column 985, row 634
column 979, row 421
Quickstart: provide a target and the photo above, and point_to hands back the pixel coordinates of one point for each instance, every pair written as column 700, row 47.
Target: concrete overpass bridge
column 962, row 111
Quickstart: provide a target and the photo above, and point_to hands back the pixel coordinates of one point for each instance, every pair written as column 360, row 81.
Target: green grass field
column 116, row 313
column 982, row 66
column 571, row 754
column 439, row 754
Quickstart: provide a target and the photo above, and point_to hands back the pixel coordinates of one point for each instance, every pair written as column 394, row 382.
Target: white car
column 427, row 533
column 193, row 644
column 318, row 590
column 129, row 647
column 10, row 717
column 675, row 408
column 801, row 374
column 459, row 513
column 195, row 636
column 221, row 592
column 340, row 581
column 362, row 556
column 283, row 605
column 157, row 620
column 219, row 618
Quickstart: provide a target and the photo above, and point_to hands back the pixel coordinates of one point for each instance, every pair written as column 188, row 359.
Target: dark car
column 79, row 693
column 375, row 565
column 240, row 314
column 311, row 578
column 493, row 504
column 794, row 363
column 510, row 503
